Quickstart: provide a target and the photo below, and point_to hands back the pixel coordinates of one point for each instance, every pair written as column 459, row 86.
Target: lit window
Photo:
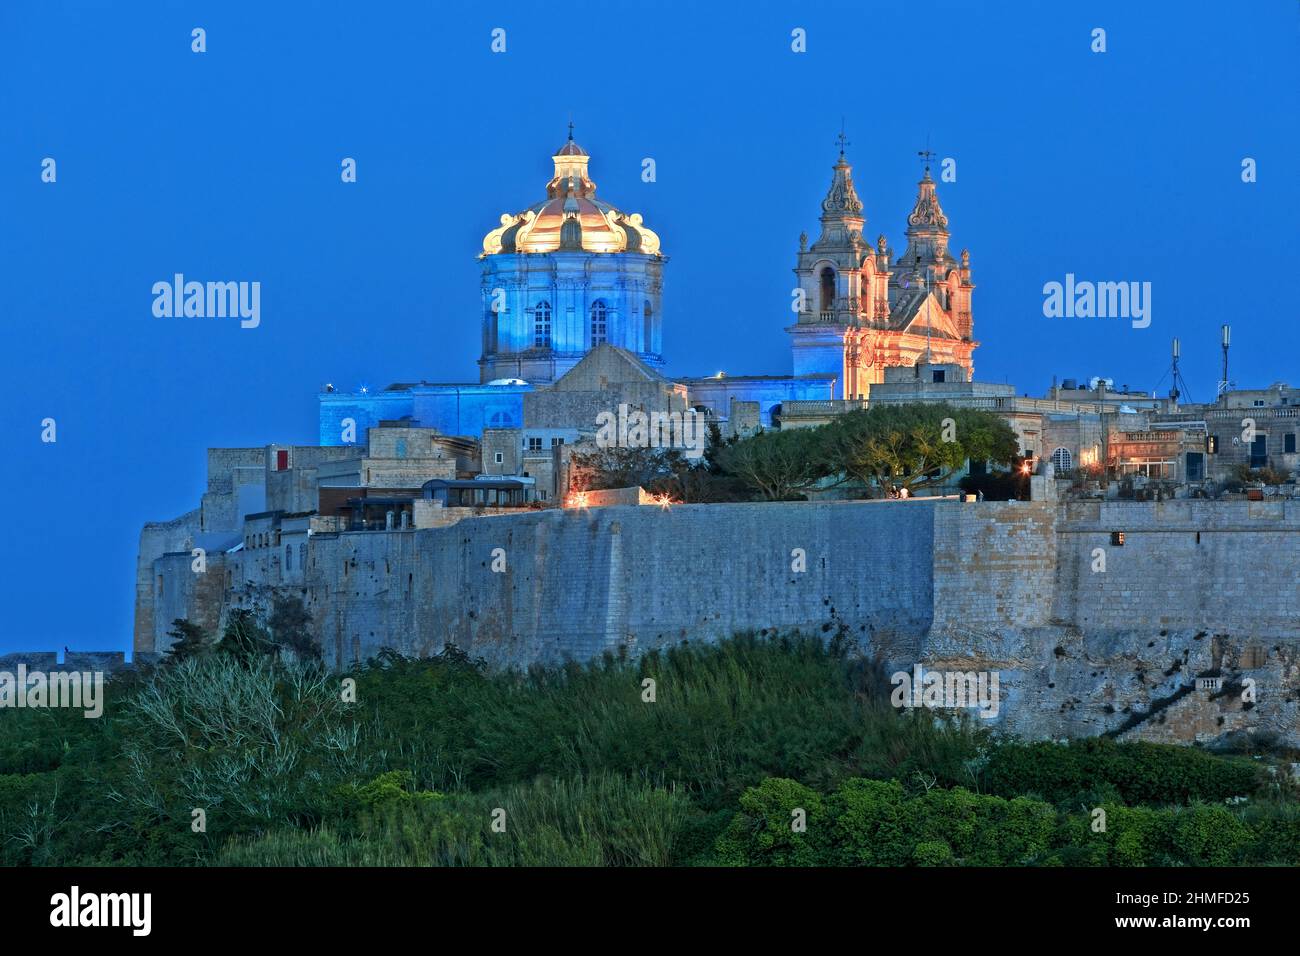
column 542, row 325
column 599, row 315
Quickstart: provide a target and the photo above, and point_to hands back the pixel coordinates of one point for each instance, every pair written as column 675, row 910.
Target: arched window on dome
column 599, row 317
column 1062, row 460
column 827, row 290
column 647, row 315
column 542, row 325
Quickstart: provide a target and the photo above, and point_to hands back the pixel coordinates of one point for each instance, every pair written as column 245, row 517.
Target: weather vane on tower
column 926, row 154
column 842, row 139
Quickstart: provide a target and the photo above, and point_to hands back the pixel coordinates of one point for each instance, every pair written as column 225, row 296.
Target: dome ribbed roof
column 571, row 218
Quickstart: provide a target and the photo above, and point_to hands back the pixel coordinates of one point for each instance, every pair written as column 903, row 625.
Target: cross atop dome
column 570, row 148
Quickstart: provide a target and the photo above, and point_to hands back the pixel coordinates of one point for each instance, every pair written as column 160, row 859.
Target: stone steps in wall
column 1196, row 717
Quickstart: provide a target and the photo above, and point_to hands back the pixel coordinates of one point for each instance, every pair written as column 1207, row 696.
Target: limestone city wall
column 999, row 586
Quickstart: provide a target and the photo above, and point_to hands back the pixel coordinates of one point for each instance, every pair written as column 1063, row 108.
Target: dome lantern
column 571, row 218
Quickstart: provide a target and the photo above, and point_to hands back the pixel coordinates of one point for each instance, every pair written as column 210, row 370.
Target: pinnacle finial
column 570, row 130
column 842, row 139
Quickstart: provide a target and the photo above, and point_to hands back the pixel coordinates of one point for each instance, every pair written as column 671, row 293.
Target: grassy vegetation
column 439, row 763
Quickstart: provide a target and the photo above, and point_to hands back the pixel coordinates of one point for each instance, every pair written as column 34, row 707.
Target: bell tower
column 843, row 288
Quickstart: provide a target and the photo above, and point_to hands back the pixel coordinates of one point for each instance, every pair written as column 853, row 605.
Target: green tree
column 290, row 625
column 188, row 640
column 244, row 638
column 890, row 447
column 777, row 464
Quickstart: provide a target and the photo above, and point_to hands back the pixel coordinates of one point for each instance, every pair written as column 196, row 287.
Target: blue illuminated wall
column 452, row 409
column 558, row 306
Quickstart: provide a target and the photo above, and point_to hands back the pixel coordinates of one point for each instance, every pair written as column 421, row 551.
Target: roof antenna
column 1179, row 386
column 1224, row 384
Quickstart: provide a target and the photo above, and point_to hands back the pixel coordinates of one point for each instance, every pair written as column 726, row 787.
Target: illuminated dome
column 571, row 218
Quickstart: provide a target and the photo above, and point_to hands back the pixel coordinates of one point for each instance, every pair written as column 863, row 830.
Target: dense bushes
column 723, row 718
column 876, row 823
column 604, row 821
column 1132, row 773
column 288, row 770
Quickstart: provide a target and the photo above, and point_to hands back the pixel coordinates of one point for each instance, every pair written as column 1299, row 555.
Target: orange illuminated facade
column 861, row 310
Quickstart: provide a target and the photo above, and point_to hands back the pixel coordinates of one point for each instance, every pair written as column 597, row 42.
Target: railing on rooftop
column 817, row 408
column 822, row 407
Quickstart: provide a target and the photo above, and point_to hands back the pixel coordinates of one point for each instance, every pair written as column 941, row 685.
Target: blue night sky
column 225, row 166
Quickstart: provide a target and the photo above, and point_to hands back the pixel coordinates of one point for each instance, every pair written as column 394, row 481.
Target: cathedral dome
column 571, row 218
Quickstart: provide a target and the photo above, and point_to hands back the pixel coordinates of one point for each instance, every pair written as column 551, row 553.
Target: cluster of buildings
column 572, row 332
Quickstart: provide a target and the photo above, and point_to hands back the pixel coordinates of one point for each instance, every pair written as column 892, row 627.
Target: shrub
column 1138, row 773
column 603, row 821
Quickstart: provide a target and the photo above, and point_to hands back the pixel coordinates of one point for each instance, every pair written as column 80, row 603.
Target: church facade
column 861, row 310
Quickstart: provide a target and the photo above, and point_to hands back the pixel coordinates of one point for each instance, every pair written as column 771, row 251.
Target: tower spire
column 842, row 198
column 927, row 226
